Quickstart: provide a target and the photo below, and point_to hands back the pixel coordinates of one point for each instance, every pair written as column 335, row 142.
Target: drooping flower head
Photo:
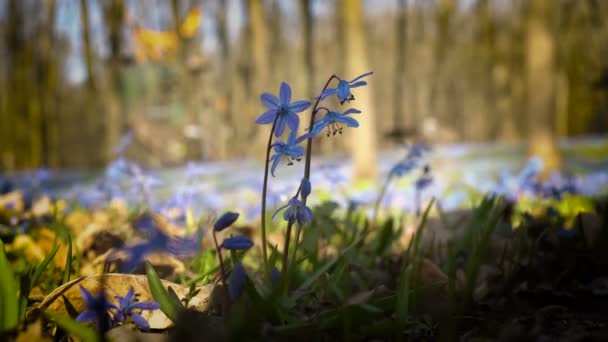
column 290, row 150
column 237, row 243
column 332, row 121
column 343, row 89
column 282, row 110
column 237, row 281
column 129, row 307
column 296, row 212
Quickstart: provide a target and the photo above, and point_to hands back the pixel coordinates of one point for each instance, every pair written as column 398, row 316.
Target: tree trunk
column 540, row 71
column 363, row 142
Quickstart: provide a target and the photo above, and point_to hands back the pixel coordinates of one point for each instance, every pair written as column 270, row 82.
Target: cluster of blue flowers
column 107, row 315
column 283, row 113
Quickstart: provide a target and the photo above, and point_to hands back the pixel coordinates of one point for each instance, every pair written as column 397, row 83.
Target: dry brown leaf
column 67, row 300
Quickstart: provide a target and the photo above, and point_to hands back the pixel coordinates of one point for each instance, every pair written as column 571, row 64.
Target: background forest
column 185, row 75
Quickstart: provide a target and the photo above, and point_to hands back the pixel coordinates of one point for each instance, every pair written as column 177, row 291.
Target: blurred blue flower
column 98, row 308
column 296, row 212
column 127, row 309
column 332, row 121
column 124, row 143
column 290, row 150
column 423, row 182
column 275, row 275
column 282, row 110
column 237, row 281
column 237, row 243
column 225, row 221
column 344, row 87
column 567, row 233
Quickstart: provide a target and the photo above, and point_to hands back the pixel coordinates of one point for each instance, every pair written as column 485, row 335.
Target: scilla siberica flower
column 296, row 212
column 282, row 110
column 98, row 308
column 332, row 121
column 128, row 309
column 291, row 150
column 344, row 87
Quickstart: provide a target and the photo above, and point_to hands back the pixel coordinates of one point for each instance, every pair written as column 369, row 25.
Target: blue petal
column 280, row 126
column 351, row 111
column 129, row 297
column 267, row 117
column 145, row 306
column 225, row 221
column 87, row 296
column 281, row 208
column 327, row 92
column 275, row 162
column 270, row 101
column 361, row 76
column 293, row 121
column 343, row 91
column 358, row 84
column 87, row 316
column 237, row 243
column 305, row 187
column 237, row 281
column 139, row 321
column 285, row 94
column 299, row 106
column 350, row 122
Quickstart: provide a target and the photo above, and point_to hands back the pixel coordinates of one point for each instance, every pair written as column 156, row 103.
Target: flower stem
column 381, row 197
column 264, row 191
column 286, row 255
column 222, row 269
column 313, row 114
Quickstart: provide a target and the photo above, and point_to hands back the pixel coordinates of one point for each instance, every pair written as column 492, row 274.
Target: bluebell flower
column 332, row 121
column 305, row 188
column 410, row 161
column 290, row 151
column 296, row 212
column 282, row 110
column 127, row 307
column 237, row 281
column 423, row 182
column 275, row 275
column 225, row 221
column 344, row 87
column 98, row 309
column 237, row 243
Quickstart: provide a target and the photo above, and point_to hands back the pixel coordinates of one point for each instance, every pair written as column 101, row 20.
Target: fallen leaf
column 67, row 300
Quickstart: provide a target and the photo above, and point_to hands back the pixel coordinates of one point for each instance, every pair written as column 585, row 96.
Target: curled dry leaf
column 66, row 299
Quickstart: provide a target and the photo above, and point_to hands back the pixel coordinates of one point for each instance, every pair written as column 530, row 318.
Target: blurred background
column 184, row 76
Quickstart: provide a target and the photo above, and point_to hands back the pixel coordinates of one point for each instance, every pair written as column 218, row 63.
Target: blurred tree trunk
column 84, row 155
column 540, row 73
column 115, row 103
column 50, row 125
column 402, row 121
column 226, row 79
column 363, row 144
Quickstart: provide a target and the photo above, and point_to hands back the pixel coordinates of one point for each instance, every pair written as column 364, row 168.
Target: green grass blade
column 168, row 304
column 40, row 268
column 73, row 327
column 9, row 304
column 68, row 262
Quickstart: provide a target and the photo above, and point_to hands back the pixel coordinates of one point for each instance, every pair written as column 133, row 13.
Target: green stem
column 286, row 255
column 381, row 197
column 264, row 191
column 222, row 269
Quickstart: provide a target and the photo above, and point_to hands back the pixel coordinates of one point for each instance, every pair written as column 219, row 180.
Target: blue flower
column 281, row 110
column 296, row 212
column 344, row 87
column 225, row 221
column 332, row 121
column 305, row 188
column 290, row 150
column 423, row 182
column 127, row 309
column 98, row 308
column 237, row 281
column 237, row 243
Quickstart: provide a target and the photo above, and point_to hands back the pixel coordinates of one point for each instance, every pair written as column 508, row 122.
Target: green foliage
column 169, row 304
column 74, row 328
column 9, row 303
